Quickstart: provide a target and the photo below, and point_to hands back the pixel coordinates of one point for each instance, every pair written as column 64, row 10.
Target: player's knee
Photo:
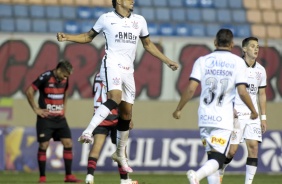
column 123, row 125
column 219, row 157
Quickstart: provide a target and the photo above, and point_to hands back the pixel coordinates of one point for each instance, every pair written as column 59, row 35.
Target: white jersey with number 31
column 219, row 73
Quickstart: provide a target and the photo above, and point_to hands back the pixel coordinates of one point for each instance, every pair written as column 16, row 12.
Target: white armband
column 263, row 117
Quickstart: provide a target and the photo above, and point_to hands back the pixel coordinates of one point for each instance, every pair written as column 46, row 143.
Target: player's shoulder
column 45, row 75
column 259, row 66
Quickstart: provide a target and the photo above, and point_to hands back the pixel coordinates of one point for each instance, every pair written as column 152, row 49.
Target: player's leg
column 252, row 138
column 43, row 136
column 216, row 142
column 112, row 81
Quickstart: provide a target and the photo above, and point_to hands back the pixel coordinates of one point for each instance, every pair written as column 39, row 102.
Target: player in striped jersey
column 122, row 30
column 219, row 74
column 107, row 127
column 51, row 122
column 246, row 129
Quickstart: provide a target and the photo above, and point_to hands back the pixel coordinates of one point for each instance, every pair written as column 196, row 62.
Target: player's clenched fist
column 61, row 37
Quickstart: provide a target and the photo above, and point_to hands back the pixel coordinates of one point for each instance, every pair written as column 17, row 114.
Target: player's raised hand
column 172, row 65
column 61, row 37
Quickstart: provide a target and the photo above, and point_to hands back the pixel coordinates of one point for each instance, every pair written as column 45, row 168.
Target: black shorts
column 52, row 128
column 106, row 130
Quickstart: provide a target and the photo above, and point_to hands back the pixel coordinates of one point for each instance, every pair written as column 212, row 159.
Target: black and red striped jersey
column 100, row 96
column 51, row 93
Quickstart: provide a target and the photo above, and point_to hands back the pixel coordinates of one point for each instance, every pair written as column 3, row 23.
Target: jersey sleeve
column 196, row 71
column 41, row 80
column 241, row 73
column 263, row 82
column 144, row 31
column 99, row 25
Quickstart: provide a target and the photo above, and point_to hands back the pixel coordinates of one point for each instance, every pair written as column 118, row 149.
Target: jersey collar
column 222, row 50
column 249, row 65
column 121, row 16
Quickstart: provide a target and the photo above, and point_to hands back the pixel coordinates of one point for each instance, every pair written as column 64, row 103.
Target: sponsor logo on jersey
column 126, row 37
column 218, row 140
column 212, row 62
column 55, row 96
column 210, row 118
column 124, row 67
column 54, row 108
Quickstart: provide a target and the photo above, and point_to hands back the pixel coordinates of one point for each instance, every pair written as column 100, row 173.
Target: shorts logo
column 217, row 140
column 204, row 142
column 234, row 135
column 116, row 81
column 41, row 135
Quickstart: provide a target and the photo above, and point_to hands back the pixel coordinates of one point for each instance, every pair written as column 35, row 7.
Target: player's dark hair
column 246, row 41
column 114, row 3
column 65, row 65
column 224, row 38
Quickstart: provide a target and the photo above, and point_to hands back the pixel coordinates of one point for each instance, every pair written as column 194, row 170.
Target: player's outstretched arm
column 244, row 95
column 78, row 38
column 185, row 97
column 152, row 49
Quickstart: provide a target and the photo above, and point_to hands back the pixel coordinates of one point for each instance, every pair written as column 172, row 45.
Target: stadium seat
column 20, row 10
column 279, row 17
column 67, row 2
column 273, row 31
column 254, row 16
column 175, row 3
column 108, row 3
column 160, row 3
column 265, row 4
column 72, row 27
column 37, row 11
column 148, row 13
column 81, row 2
column 6, row 10
column 86, row 26
column 39, row 25
column 194, row 15
column 250, row 4
column 223, row 15
column 259, row 30
column 231, row 27
column 23, row 25
column 182, row 29
column 19, row 1
column 191, row 3
column 36, row 2
column 163, row 14
column 209, row 15
column 166, row 29
column 98, row 11
column 53, row 12
column 5, row 1
column 137, row 10
column 239, row 16
column 220, row 3
column 144, row 3
column 153, row 29
column 68, row 12
column 206, row 3
column 7, row 25
column 99, row 3
column 197, row 30
column 212, row 29
column 277, row 4
column 84, row 12
column 269, row 17
column 178, row 14
column 243, row 30
column 51, row 2
column 235, row 4
column 55, row 25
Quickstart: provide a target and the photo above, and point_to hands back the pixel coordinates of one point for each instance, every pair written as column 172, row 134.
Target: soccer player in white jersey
column 122, row 30
column 219, row 74
column 245, row 128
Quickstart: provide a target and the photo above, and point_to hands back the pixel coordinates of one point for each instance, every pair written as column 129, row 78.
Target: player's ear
column 244, row 49
column 232, row 44
column 215, row 42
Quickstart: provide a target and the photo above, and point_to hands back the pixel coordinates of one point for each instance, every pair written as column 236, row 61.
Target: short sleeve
column 263, row 82
column 99, row 25
column 144, row 30
column 196, row 71
column 41, row 80
column 241, row 72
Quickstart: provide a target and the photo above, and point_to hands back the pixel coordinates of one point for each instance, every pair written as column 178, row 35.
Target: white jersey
column 219, row 73
column 122, row 35
column 256, row 78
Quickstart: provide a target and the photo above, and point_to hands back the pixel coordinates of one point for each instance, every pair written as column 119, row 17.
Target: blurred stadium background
column 183, row 30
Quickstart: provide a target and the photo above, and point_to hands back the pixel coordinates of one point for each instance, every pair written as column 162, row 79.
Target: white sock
column 222, row 170
column 100, row 114
column 250, row 173
column 207, row 169
column 214, row 178
column 122, row 137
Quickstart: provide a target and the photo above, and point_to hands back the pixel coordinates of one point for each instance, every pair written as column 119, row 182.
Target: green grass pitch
column 144, row 178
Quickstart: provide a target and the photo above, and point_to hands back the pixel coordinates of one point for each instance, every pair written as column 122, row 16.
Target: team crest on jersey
column 135, row 25
column 116, row 81
column 258, row 75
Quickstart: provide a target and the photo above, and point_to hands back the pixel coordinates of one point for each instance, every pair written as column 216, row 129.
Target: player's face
column 62, row 75
column 128, row 4
column 252, row 49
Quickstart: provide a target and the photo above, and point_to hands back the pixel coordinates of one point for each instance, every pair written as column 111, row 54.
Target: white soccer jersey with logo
column 256, row 78
column 122, row 35
column 218, row 73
